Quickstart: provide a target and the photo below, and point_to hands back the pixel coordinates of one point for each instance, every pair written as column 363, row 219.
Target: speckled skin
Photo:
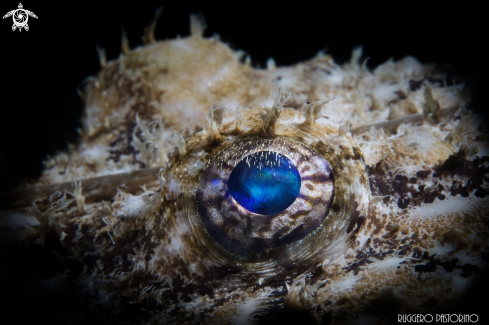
column 405, row 200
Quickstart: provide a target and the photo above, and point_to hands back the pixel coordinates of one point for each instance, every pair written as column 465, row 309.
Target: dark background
column 42, row 68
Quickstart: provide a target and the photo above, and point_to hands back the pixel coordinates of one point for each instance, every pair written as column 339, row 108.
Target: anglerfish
column 205, row 190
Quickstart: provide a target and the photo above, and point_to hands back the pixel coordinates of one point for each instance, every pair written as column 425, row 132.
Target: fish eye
column 294, row 198
column 260, row 193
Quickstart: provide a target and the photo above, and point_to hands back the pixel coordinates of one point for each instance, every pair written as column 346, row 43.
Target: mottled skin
column 406, row 233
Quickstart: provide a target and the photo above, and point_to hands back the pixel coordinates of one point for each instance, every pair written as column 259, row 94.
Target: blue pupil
column 265, row 182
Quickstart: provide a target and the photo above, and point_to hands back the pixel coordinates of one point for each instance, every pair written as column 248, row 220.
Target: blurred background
column 42, row 68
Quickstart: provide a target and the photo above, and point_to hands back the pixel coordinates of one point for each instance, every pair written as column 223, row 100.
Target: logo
column 20, row 17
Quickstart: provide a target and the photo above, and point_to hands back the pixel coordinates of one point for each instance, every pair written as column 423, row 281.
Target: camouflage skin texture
column 406, row 231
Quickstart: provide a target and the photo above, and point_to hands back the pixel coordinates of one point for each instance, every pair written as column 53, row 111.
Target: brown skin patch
column 449, row 266
column 423, row 174
column 403, row 201
column 356, row 222
column 403, row 189
column 473, row 170
column 415, row 85
column 355, row 267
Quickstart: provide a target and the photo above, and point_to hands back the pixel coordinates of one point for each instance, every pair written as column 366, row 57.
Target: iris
column 265, row 182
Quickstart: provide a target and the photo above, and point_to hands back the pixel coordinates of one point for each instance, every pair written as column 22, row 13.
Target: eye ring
column 331, row 240
column 244, row 232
